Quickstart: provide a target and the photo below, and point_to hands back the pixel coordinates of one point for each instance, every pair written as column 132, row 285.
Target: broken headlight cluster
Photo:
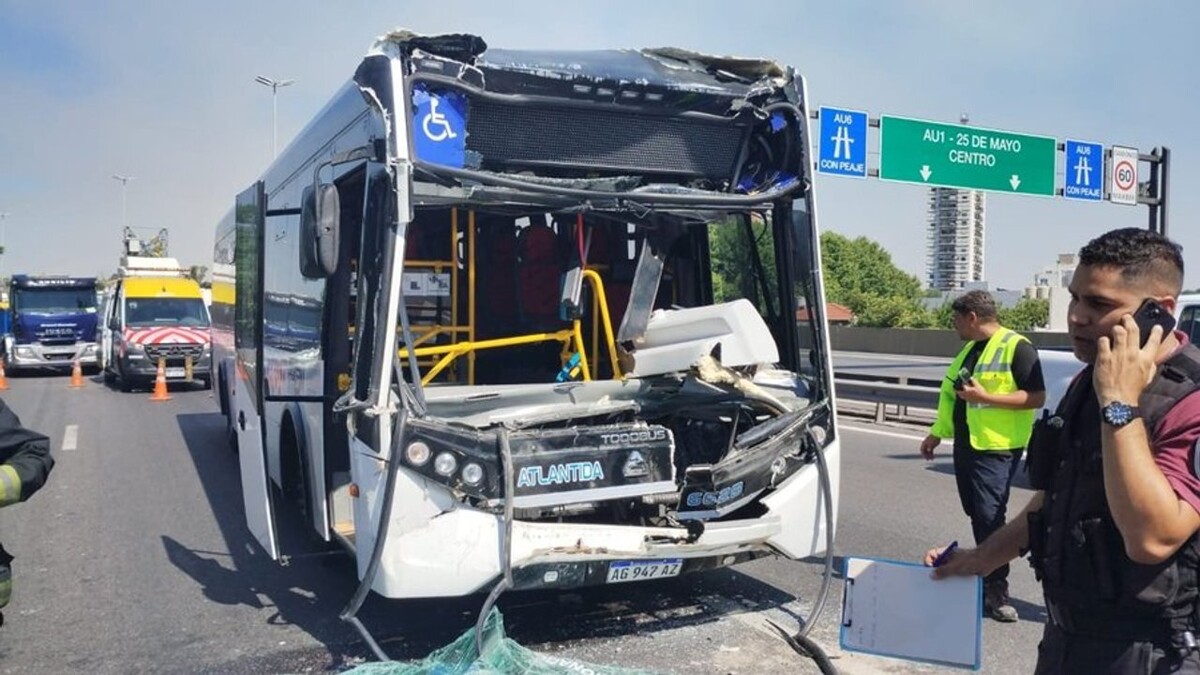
column 462, row 459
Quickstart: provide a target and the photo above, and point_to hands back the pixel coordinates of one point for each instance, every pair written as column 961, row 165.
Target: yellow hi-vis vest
column 990, row 427
column 10, row 485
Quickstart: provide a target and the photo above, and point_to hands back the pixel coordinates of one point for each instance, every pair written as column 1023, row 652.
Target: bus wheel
column 295, row 471
column 231, row 437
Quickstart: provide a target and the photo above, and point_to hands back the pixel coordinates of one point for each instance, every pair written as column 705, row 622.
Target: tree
column 731, row 255
column 860, row 274
column 943, row 317
column 1027, row 314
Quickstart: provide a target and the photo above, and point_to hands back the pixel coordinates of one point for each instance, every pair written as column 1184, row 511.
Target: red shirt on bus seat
column 539, row 272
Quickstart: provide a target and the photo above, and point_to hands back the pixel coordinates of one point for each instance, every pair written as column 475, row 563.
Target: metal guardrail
column 882, row 394
column 1059, row 367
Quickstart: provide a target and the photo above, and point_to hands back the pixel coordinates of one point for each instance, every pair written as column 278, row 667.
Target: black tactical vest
column 1091, row 585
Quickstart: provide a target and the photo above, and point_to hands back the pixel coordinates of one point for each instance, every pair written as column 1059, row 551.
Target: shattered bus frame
column 672, row 415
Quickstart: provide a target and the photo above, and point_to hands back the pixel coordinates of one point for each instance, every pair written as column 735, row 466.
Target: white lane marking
column 70, row 437
column 864, row 430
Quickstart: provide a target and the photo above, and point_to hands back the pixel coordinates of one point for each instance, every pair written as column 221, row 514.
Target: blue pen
column 945, row 554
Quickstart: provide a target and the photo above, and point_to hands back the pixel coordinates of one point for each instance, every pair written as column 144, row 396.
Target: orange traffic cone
column 160, row 384
column 3, row 377
column 77, row 376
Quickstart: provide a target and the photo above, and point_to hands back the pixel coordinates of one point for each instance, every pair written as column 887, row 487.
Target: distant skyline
column 166, row 92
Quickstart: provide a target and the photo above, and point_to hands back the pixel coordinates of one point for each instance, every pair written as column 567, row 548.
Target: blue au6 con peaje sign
column 1083, row 171
column 843, row 147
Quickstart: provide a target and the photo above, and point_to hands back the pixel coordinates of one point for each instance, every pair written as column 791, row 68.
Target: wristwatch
column 1119, row 414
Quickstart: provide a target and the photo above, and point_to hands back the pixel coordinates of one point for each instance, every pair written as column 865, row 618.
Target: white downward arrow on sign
column 925, row 172
column 1015, row 181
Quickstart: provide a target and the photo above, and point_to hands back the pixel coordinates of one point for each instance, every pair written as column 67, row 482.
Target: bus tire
column 294, row 470
column 126, row 383
column 222, row 392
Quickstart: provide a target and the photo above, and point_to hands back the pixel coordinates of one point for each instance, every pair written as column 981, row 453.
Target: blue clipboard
column 893, row 608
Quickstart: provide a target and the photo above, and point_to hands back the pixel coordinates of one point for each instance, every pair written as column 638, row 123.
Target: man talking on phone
column 987, row 405
column 1112, row 528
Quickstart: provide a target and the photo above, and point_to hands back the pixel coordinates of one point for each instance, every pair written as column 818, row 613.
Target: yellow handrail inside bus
column 449, row 352
column 602, row 300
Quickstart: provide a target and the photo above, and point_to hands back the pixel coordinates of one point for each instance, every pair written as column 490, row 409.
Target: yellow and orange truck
column 154, row 312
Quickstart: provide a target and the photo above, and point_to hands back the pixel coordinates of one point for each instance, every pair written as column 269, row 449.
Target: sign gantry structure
column 938, row 154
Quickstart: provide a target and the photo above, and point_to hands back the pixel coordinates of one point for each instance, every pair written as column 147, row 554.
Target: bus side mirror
column 320, row 228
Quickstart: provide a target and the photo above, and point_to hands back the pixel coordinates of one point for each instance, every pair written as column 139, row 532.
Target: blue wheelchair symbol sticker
column 440, row 124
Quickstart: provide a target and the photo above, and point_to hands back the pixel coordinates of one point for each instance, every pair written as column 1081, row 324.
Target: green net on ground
column 501, row 656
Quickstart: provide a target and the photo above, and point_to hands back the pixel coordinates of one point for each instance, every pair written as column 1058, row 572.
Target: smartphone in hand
column 1149, row 315
column 964, row 376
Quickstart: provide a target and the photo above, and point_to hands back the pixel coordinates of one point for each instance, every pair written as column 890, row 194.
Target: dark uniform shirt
column 26, row 451
column 24, row 464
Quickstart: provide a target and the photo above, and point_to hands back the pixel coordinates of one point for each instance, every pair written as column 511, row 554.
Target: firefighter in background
column 25, row 463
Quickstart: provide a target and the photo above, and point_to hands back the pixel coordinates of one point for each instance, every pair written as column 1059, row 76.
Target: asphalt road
column 135, row 558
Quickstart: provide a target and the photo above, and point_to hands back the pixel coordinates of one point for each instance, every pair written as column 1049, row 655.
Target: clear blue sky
column 165, row 92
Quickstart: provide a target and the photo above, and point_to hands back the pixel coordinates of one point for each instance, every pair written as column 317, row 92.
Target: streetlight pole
column 124, row 183
column 3, row 247
column 275, row 86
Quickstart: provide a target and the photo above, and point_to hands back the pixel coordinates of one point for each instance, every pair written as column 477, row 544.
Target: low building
column 837, row 315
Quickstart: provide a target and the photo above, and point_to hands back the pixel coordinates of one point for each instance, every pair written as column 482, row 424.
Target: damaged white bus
column 515, row 319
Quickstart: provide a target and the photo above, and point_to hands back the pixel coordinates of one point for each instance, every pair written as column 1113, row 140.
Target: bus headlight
column 417, row 453
column 464, row 460
column 472, row 474
column 445, row 464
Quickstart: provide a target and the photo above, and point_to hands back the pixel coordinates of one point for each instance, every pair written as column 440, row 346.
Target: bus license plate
column 642, row 570
column 176, row 372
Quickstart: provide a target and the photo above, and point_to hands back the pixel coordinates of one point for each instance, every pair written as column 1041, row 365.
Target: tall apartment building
column 954, row 239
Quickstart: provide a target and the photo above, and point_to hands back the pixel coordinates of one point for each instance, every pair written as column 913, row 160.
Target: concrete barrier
column 919, row 341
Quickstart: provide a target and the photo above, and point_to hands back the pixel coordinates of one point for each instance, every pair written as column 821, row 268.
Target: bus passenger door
column 246, row 406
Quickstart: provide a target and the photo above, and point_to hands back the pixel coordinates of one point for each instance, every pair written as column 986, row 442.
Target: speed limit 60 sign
column 1123, row 175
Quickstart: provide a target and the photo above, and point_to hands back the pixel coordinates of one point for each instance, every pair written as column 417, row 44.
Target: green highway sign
column 961, row 156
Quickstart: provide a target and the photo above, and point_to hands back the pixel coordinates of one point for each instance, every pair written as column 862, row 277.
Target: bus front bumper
column 456, row 552
column 50, row 356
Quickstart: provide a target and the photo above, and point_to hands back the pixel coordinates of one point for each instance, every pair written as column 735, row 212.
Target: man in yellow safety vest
column 25, row 463
column 987, row 404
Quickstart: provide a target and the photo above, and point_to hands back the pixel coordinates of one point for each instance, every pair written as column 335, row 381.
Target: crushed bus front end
column 596, row 350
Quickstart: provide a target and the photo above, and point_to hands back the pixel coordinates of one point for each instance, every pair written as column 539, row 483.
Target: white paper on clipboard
column 892, row 608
